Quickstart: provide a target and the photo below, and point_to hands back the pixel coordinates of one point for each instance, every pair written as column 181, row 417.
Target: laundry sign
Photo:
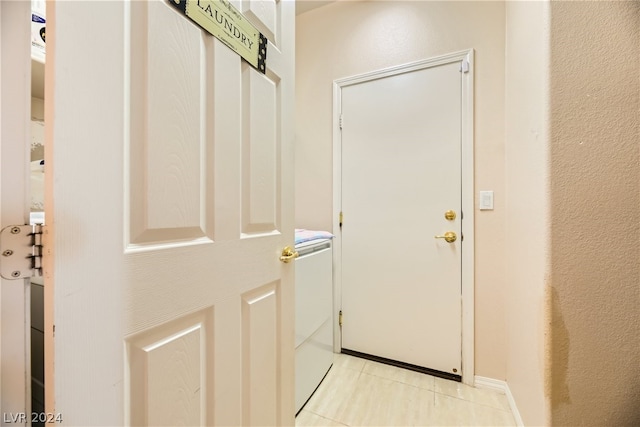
column 222, row 20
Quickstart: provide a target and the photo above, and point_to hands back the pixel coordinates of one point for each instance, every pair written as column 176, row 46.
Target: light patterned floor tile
column 405, row 376
column 476, row 395
column 356, row 392
column 451, row 411
column 378, row 401
column 349, row 362
column 332, row 395
column 309, row 419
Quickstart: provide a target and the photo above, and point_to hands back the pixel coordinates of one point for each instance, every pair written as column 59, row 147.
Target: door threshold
column 404, row 365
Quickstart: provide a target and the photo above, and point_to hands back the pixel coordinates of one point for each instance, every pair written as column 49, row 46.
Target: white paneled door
column 170, row 202
column 401, row 174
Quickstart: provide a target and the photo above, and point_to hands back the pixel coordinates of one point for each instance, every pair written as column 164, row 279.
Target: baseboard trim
column 502, row 387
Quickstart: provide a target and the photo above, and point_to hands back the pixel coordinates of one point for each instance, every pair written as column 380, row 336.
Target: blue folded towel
column 303, row 235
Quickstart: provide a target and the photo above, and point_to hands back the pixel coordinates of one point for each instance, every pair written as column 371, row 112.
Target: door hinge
column 340, row 122
column 340, row 318
column 340, row 218
column 464, row 66
column 21, row 249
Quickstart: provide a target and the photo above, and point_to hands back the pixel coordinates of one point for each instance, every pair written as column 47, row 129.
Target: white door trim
column 467, row 191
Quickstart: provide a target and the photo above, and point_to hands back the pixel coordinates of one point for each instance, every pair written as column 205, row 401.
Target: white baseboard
column 501, row 387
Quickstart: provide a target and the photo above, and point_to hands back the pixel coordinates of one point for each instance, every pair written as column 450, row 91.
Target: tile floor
column 358, row 392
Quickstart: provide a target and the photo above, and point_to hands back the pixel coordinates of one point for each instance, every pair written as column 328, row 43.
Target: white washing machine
column 314, row 327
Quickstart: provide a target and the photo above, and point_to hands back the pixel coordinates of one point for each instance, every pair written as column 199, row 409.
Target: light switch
column 486, row 200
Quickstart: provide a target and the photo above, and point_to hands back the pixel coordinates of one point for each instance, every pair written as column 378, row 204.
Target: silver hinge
column 340, row 121
column 340, row 318
column 21, row 249
column 464, row 66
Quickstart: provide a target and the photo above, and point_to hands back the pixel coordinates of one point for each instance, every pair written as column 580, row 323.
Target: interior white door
column 15, row 118
column 170, row 203
column 401, row 171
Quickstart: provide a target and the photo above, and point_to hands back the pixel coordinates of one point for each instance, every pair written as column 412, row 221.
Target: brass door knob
column 449, row 237
column 288, row 254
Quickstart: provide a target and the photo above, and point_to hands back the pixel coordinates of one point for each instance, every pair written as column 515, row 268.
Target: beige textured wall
column 527, row 213
column 349, row 38
column 594, row 375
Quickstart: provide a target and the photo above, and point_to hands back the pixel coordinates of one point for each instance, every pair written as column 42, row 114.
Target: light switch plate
column 486, row 200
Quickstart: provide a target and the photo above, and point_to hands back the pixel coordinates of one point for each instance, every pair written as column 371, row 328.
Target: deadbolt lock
column 450, row 215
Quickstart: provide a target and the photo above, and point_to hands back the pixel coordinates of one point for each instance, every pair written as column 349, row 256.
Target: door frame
column 15, row 136
column 465, row 58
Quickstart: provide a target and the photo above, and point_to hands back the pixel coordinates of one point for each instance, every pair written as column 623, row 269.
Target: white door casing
column 401, row 242
column 15, row 118
column 170, row 202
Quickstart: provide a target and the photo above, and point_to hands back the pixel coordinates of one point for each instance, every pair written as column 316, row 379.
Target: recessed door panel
column 171, row 370
column 261, row 355
column 260, row 150
column 170, row 121
column 264, row 15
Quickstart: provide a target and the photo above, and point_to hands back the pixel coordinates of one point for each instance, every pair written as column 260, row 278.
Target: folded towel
column 303, row 235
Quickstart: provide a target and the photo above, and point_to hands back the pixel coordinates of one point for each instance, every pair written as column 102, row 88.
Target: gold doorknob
column 449, row 237
column 288, row 254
